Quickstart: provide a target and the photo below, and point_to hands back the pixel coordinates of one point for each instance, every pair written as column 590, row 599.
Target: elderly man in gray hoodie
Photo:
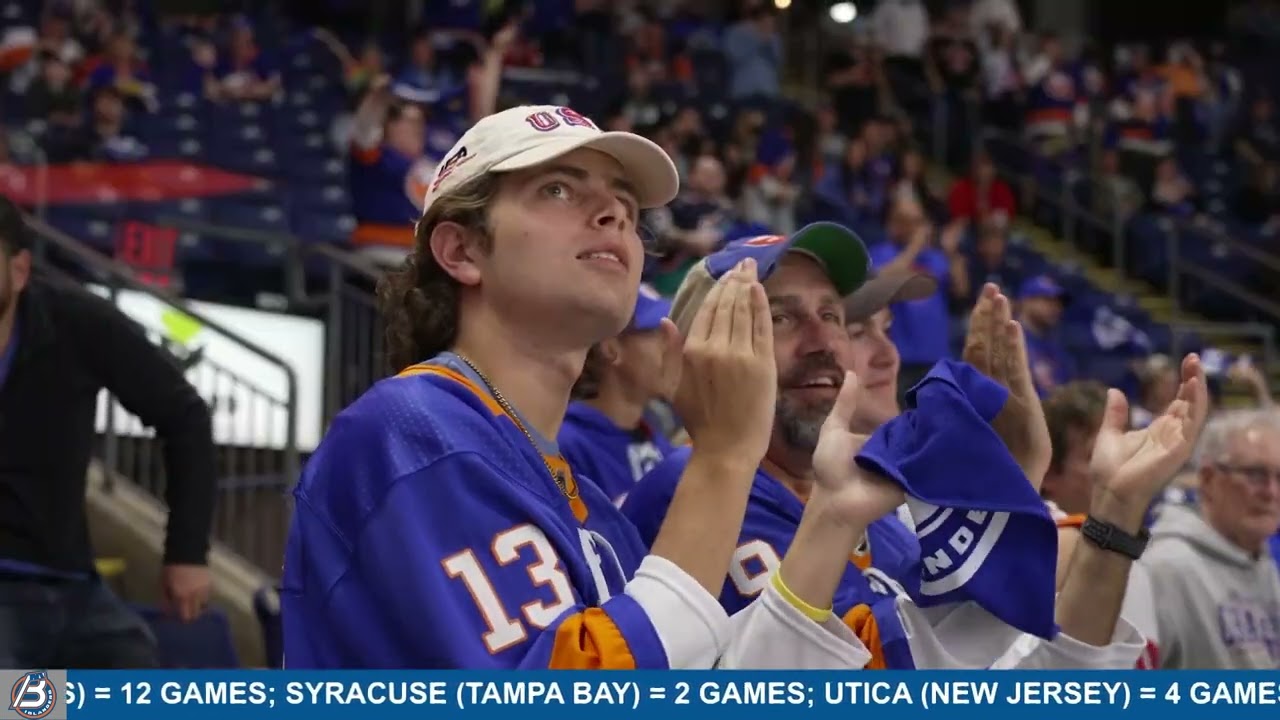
column 1215, row 580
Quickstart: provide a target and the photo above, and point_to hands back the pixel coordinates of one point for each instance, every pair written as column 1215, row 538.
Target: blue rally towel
column 985, row 534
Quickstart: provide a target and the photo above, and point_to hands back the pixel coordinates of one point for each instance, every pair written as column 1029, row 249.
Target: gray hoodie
column 1216, row 607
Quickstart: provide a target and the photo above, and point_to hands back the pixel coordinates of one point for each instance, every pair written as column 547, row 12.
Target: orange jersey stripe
column 589, row 640
column 863, row 624
column 463, row 380
column 862, row 562
column 383, row 235
column 556, row 463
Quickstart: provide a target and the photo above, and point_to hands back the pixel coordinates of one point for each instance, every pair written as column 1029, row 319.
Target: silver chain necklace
column 557, row 476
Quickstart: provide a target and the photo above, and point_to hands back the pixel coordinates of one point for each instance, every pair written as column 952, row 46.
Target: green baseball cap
column 835, row 247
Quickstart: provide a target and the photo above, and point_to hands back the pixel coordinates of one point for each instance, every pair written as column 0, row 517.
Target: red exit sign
column 149, row 250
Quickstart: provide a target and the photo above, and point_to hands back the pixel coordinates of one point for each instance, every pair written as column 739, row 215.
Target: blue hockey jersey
column 866, row 604
column 614, row 458
column 428, row 533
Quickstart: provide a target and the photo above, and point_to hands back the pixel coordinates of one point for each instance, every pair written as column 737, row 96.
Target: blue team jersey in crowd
column 428, row 533
column 773, row 514
column 1051, row 365
column 386, row 185
column 614, row 458
column 921, row 328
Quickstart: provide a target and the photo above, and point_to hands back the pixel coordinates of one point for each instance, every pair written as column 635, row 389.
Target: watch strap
column 1110, row 537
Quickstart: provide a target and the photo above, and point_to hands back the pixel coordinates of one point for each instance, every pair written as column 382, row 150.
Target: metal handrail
column 294, row 247
column 1064, row 199
column 347, row 260
column 345, row 376
column 119, row 275
column 1221, row 236
column 1266, row 335
column 1115, row 225
column 1073, row 215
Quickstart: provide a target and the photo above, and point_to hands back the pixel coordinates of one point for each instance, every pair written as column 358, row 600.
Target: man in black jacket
column 59, row 346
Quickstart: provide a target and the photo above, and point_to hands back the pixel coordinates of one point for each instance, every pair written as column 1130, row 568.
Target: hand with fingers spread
column 997, row 347
column 726, row 392
column 850, row 493
column 845, row 499
column 728, row 385
column 1131, row 468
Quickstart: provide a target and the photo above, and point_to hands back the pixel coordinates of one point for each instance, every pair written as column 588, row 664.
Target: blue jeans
column 70, row 624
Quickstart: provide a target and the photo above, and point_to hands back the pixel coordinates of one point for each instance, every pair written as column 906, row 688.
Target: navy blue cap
column 651, row 308
column 1041, row 286
column 839, row 250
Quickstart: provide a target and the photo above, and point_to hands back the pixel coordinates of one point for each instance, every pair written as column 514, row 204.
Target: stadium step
column 1159, row 305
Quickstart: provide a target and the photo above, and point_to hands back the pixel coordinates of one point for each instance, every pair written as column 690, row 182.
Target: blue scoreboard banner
column 727, row 695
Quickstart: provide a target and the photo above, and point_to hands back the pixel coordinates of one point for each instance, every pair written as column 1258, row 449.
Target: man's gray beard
column 800, row 424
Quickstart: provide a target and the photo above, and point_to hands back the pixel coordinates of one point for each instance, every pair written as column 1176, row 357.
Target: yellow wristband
column 817, row 615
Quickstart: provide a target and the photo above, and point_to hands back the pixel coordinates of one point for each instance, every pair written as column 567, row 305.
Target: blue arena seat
column 204, row 643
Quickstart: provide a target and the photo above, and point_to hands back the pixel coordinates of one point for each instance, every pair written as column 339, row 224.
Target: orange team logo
column 764, row 240
column 418, row 180
column 33, row 696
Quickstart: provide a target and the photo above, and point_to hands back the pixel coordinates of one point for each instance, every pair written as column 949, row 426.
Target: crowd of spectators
column 84, row 86
column 923, row 114
column 909, row 83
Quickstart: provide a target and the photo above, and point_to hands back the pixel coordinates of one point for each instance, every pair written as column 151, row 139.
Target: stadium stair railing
column 252, row 513
column 1071, row 234
column 327, row 282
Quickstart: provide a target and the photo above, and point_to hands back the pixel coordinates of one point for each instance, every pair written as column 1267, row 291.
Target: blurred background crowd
column 1113, row 167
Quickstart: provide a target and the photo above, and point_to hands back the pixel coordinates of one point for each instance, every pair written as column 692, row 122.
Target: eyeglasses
column 1257, row 476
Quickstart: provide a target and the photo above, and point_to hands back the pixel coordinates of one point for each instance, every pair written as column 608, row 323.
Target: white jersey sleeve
column 964, row 636
column 770, row 634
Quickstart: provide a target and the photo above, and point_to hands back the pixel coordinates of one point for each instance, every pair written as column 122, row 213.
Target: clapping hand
column 850, row 493
column 728, row 384
column 1132, row 467
column 997, row 347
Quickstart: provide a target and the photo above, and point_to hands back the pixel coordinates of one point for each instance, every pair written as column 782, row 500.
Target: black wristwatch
column 1109, row 537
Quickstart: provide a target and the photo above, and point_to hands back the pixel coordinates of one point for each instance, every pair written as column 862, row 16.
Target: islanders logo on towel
column 981, row 526
column 954, row 544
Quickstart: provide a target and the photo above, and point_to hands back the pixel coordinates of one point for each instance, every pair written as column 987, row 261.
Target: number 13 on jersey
column 546, row 597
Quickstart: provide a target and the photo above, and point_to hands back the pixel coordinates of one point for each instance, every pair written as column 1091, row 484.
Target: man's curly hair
column 419, row 300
